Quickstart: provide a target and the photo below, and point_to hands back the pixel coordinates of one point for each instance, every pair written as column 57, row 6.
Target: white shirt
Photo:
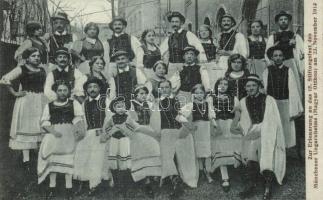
column 80, row 79
column 192, row 40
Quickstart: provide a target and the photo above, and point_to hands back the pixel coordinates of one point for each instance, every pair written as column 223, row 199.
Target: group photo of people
column 93, row 116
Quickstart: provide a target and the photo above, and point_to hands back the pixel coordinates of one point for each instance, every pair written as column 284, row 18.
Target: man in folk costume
column 263, row 145
column 280, row 83
column 174, row 44
column 120, row 41
column 176, row 144
column 60, row 36
column 90, row 152
column 230, row 42
column 66, row 72
column 292, row 46
column 126, row 76
column 189, row 75
column 63, row 121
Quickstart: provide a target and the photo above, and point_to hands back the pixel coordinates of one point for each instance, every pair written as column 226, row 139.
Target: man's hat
column 119, row 99
column 119, row 53
column 122, row 20
column 255, row 78
column 191, row 48
column 271, row 50
column 92, row 79
column 176, row 14
column 62, row 50
column 62, row 16
column 283, row 13
column 229, row 16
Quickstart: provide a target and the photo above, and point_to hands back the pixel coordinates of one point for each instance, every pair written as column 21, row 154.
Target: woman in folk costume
column 87, row 47
column 63, row 122
column 176, row 144
column 131, row 147
column 280, row 83
column 225, row 145
column 257, row 49
column 149, row 164
column 205, row 36
column 25, row 130
column 189, row 75
column 160, row 71
column 149, row 52
column 236, row 75
column 90, row 152
column 230, row 41
column 263, row 145
column 198, row 112
column 34, row 32
column 97, row 69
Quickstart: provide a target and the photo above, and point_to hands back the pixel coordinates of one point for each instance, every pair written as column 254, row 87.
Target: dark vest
column 223, row 107
column 277, row 86
column 41, row 46
column 57, row 41
column 200, row 111
column 119, row 119
column 143, row 113
column 125, row 82
column 210, row 51
column 150, row 57
column 238, row 86
column 65, row 76
column 123, row 42
column 257, row 49
column 95, row 113
column 32, row 81
column 256, row 108
column 190, row 76
column 283, row 38
column 176, row 44
column 61, row 114
column 169, row 108
column 90, row 50
column 224, row 38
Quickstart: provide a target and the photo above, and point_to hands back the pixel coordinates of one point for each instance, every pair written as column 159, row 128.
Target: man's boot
column 269, row 176
column 250, row 176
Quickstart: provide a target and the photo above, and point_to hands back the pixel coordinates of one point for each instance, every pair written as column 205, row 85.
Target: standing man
column 292, row 46
column 174, row 44
column 60, row 37
column 120, row 41
column 230, row 42
column 67, row 73
column 263, row 144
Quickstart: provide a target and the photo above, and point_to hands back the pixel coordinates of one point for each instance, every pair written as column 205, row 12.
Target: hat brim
column 254, row 80
column 124, row 22
column 196, row 52
column 290, row 17
column 54, row 18
column 230, row 17
column 181, row 17
column 271, row 50
column 113, row 57
column 87, row 83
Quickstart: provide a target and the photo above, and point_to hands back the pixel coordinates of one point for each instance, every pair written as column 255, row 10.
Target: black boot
column 250, row 177
column 269, row 176
column 69, row 195
column 177, row 187
column 149, row 188
column 79, row 188
column 50, row 193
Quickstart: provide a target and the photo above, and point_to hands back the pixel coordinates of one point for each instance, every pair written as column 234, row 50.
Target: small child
column 236, row 75
column 199, row 114
column 63, row 121
column 226, row 146
column 129, row 141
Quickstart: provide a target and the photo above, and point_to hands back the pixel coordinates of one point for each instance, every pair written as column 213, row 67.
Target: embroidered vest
column 176, row 44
